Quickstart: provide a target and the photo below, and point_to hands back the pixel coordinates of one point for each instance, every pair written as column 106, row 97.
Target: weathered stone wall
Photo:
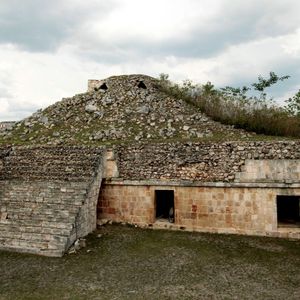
column 241, row 210
column 49, row 163
column 205, row 161
column 86, row 221
column 219, row 187
column 275, row 170
column 38, row 217
column 6, row 125
column 48, row 197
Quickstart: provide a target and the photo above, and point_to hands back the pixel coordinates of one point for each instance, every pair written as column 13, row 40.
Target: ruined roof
column 120, row 109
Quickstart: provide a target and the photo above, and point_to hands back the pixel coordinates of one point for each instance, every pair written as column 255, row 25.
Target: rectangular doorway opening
column 164, row 204
column 288, row 211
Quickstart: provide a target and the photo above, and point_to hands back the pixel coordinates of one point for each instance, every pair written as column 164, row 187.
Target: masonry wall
column 200, row 161
column 219, row 187
column 241, row 210
column 86, row 221
column 270, row 171
column 48, row 197
column 38, row 217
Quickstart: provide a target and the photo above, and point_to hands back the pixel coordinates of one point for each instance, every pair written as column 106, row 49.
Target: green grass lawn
column 133, row 263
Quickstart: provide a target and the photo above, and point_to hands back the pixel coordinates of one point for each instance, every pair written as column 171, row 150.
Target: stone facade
column 201, row 161
column 265, row 170
column 6, row 125
column 223, row 179
column 240, row 210
column 218, row 187
column 48, row 197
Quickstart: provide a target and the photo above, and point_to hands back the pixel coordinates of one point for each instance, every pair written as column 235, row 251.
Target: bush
column 231, row 106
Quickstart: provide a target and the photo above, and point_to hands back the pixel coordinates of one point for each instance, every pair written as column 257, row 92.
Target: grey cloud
column 41, row 25
column 235, row 22
column 287, row 67
column 239, row 22
column 17, row 111
column 4, row 94
column 283, row 66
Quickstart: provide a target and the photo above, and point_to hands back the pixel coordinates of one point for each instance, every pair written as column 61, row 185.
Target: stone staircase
column 48, row 197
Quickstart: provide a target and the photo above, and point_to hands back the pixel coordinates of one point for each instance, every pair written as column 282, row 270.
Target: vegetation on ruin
column 255, row 112
column 161, row 111
column 122, row 262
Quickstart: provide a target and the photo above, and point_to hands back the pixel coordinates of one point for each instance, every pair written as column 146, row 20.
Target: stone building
column 231, row 187
column 125, row 151
column 48, row 197
column 6, row 125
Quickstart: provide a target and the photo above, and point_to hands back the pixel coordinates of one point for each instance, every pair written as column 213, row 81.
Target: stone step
column 53, row 242
column 63, row 167
column 54, row 156
column 42, row 191
column 37, row 247
column 39, row 217
column 41, row 211
column 66, row 201
column 59, row 162
column 18, row 174
column 70, row 207
column 37, row 223
column 18, row 229
column 55, row 151
column 35, row 236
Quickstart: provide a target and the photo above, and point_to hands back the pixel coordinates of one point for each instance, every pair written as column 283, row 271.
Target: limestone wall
column 205, row 161
column 241, row 210
column 6, row 125
column 86, row 221
column 219, row 187
column 38, row 217
column 275, row 170
column 48, row 197
column 70, row 163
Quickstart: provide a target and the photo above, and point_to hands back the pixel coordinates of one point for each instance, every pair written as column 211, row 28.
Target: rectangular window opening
column 288, row 211
column 164, row 205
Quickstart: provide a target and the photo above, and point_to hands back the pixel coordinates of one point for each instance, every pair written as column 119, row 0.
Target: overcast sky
column 49, row 49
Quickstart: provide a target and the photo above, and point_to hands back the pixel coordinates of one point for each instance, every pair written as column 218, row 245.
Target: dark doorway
column 288, row 211
column 142, row 85
column 103, row 87
column 164, row 202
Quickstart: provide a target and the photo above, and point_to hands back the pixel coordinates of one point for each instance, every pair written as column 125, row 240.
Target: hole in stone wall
column 288, row 211
column 164, row 203
column 142, row 85
column 103, row 86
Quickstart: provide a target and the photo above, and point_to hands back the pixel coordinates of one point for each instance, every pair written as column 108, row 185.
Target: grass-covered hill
column 121, row 109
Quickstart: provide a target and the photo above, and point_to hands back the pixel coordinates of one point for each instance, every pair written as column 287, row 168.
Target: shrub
column 232, row 106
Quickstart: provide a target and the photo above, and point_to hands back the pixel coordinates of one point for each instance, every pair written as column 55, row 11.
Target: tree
column 262, row 83
column 293, row 105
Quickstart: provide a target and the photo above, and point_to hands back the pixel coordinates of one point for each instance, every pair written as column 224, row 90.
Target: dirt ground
column 121, row 262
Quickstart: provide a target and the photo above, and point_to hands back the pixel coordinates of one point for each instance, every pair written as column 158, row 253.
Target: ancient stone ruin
column 6, row 125
column 48, row 197
column 127, row 152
